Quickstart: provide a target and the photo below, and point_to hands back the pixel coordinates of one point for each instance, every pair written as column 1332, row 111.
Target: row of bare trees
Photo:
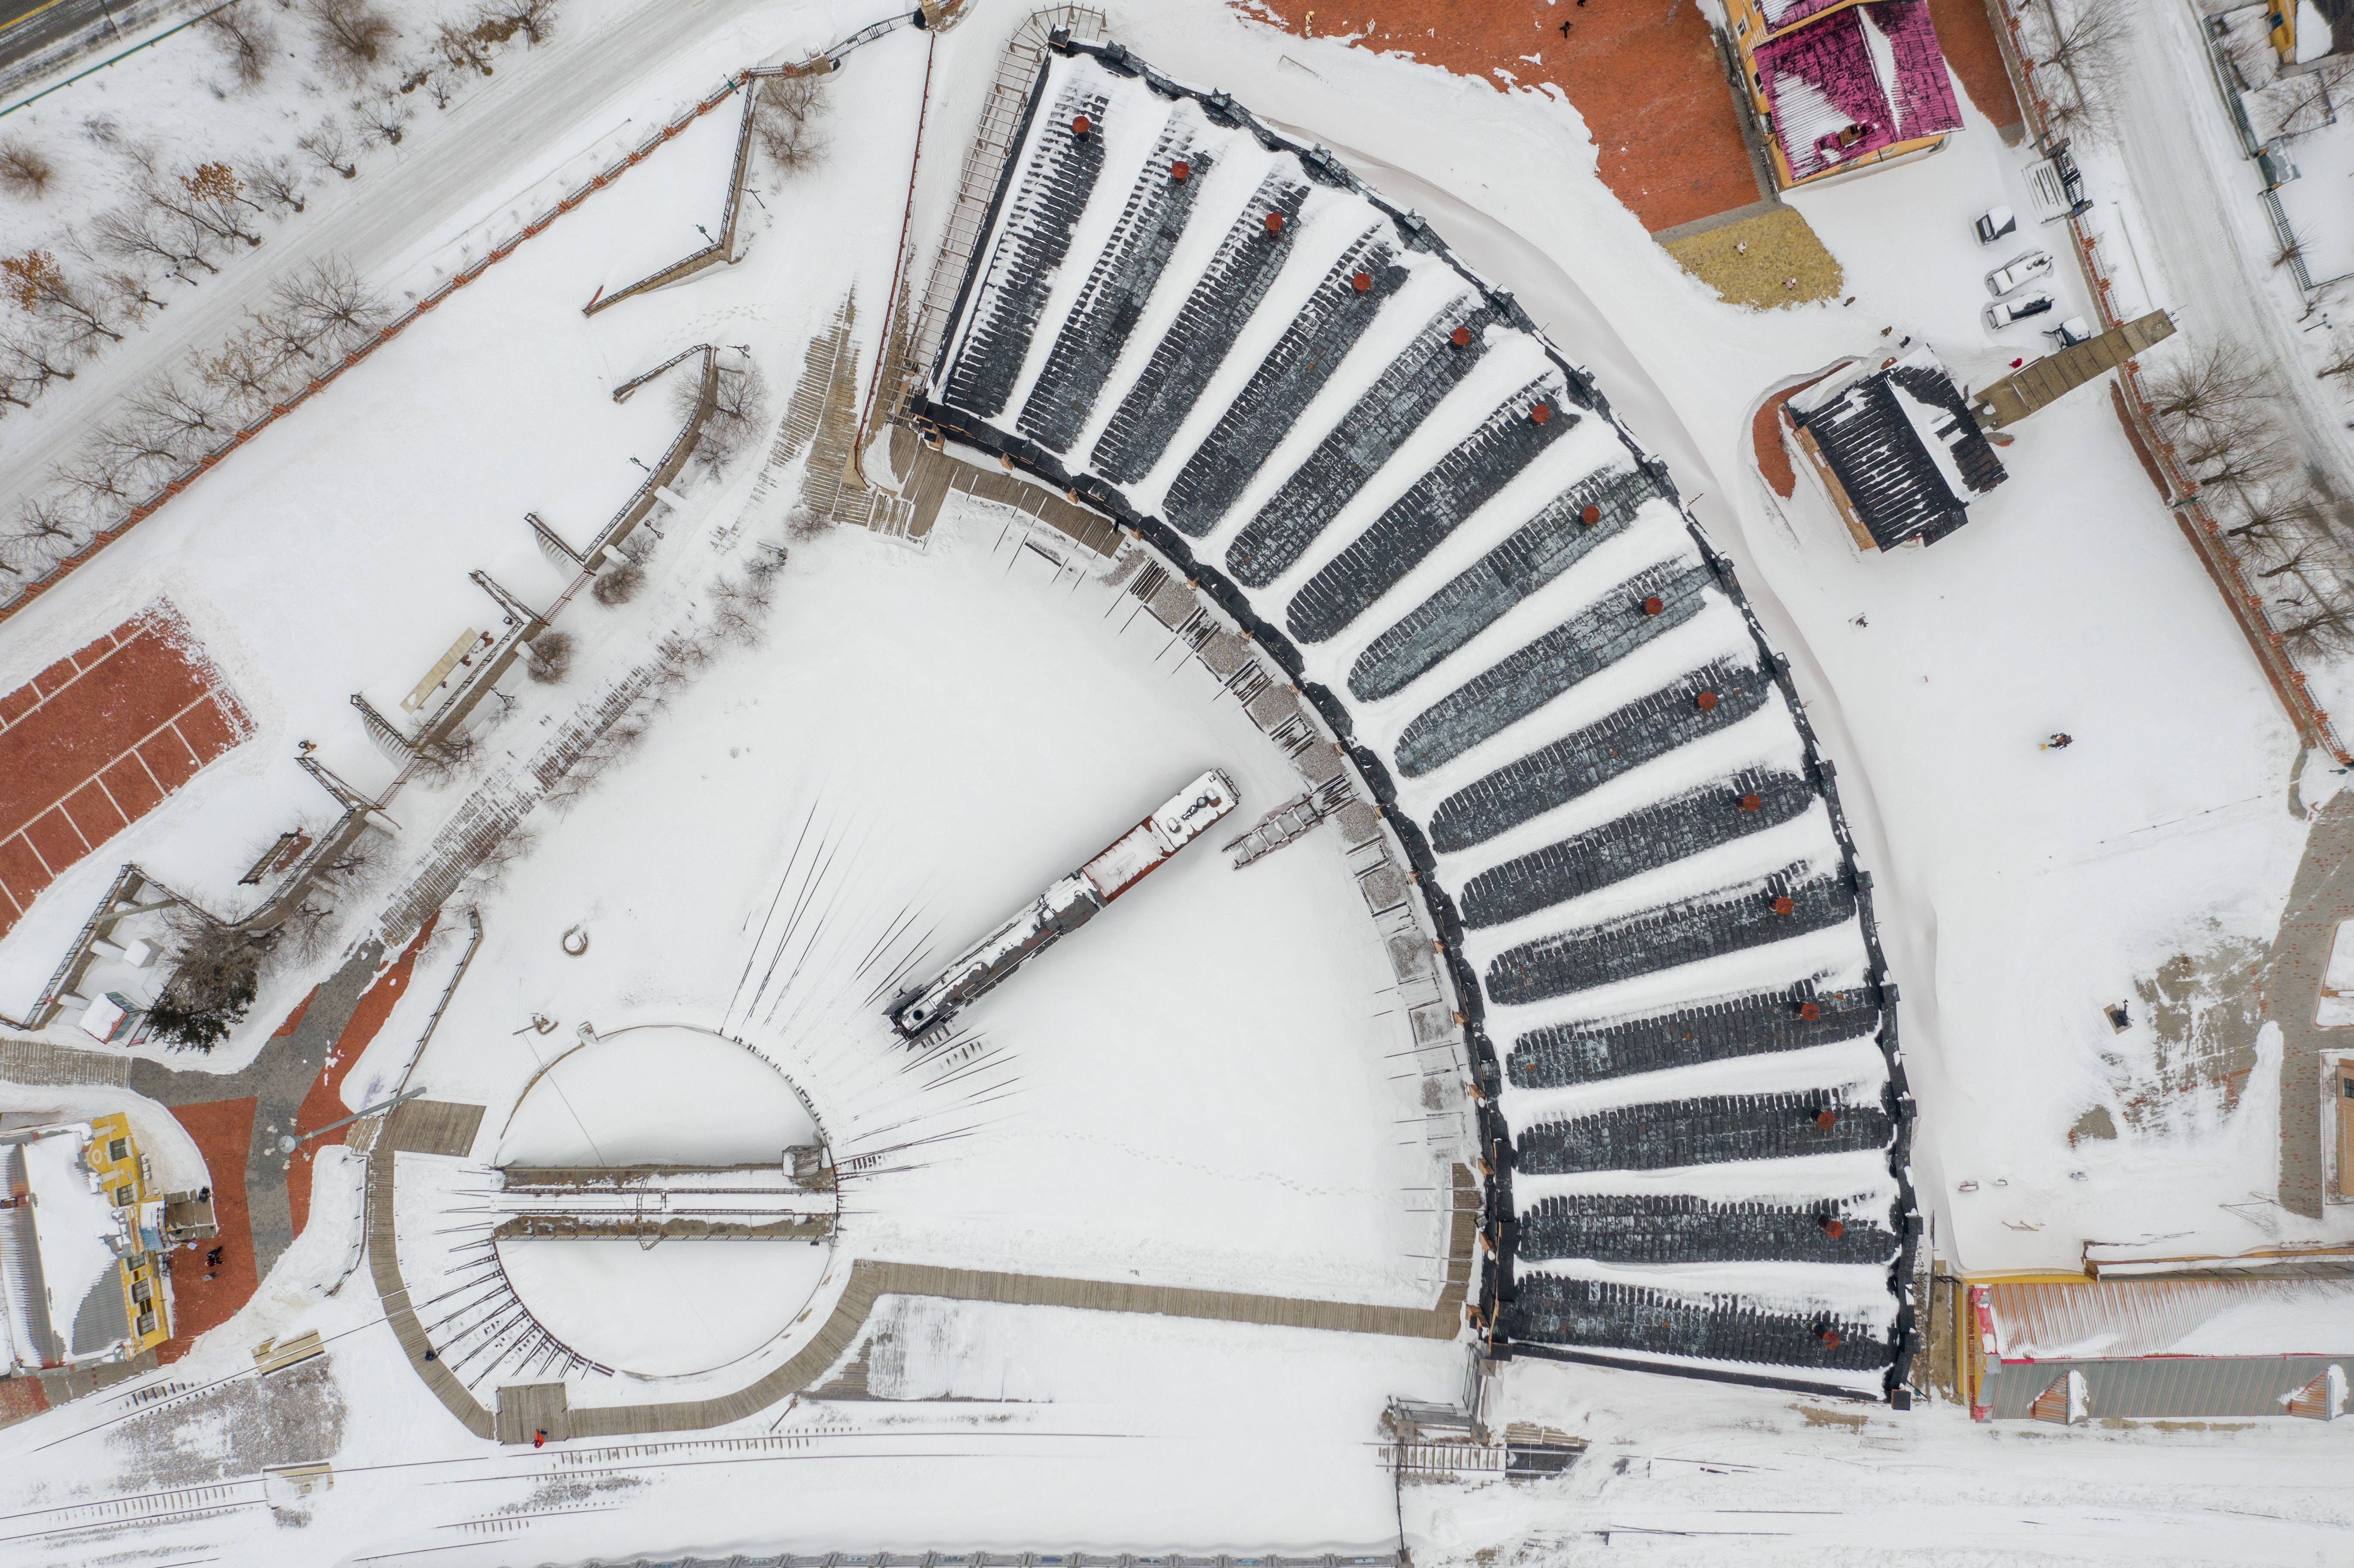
column 2217, row 404
column 181, row 222
column 2075, row 51
column 316, row 315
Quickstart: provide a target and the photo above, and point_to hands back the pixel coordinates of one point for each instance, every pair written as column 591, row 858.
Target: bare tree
column 2280, row 518
column 36, row 284
column 24, row 169
column 2078, row 50
column 547, row 657
column 464, row 47
column 352, row 36
column 330, row 147
column 805, row 523
column 330, row 300
column 284, row 338
column 146, row 233
column 443, row 757
column 739, row 609
column 534, row 19
column 2307, row 101
column 128, row 291
column 137, row 450
column 32, row 355
column 2206, row 381
column 205, row 198
column 46, row 523
column 276, row 181
column 2323, row 625
column 739, row 409
column 784, row 109
column 383, row 117
column 188, row 414
column 617, row 584
column 242, row 374
column 2236, row 460
column 246, row 38
column 102, row 484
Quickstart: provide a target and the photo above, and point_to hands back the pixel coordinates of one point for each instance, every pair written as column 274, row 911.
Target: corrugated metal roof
column 2174, row 1386
column 2144, row 1316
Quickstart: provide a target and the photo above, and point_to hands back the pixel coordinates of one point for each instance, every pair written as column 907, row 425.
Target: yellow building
column 1841, row 87
column 82, row 1274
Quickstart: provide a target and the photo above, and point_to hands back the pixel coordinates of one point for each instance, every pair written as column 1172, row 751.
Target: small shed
column 1893, row 443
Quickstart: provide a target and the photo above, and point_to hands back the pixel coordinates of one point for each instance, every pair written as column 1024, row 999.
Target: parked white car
column 2018, row 273
column 2007, row 313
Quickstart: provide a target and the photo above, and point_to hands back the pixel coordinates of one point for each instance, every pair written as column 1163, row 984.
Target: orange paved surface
column 21, row 1398
column 222, row 1129
column 325, row 1103
column 1966, row 35
column 1646, row 77
column 93, row 742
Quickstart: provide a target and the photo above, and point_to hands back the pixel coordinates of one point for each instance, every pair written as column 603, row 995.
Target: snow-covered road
column 452, row 171
column 2198, row 195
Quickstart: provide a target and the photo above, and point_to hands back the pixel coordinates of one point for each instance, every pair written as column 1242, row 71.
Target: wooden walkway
column 38, row 1062
column 524, row 1409
column 434, row 1126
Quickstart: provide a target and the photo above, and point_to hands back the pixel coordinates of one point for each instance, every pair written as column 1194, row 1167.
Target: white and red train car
column 1067, row 905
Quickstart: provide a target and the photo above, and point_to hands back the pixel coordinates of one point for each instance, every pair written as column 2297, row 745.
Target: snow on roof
column 1902, row 442
column 1855, row 81
column 2173, row 1318
column 62, row 1280
column 1368, row 458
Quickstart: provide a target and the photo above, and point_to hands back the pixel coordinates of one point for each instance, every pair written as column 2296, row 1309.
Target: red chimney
column 1363, row 282
column 1753, row 802
column 1179, row 170
column 1539, row 413
column 1589, row 514
column 1783, row 906
column 1833, row 1226
column 1654, row 605
column 1081, row 125
column 1826, row 1118
column 1275, row 223
column 1705, row 701
column 1462, row 336
column 1809, row 1011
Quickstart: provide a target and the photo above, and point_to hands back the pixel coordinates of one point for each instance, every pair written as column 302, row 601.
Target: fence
column 2204, row 531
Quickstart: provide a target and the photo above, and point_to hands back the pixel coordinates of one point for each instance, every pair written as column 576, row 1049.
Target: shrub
column 23, row 169
column 547, row 657
column 618, row 585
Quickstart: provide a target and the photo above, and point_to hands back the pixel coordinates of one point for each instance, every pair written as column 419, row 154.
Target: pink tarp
column 1824, row 82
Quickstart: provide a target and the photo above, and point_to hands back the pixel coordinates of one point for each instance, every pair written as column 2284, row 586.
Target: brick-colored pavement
column 222, row 1129
column 1966, row 34
column 325, row 1103
column 1644, row 73
column 96, row 740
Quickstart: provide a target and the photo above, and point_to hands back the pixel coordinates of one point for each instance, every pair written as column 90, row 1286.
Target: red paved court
column 222, row 1129
column 93, row 743
column 1645, row 74
column 325, row 1103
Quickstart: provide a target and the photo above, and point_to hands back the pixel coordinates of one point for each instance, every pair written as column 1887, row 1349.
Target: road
column 2175, row 139
column 454, row 161
column 29, row 28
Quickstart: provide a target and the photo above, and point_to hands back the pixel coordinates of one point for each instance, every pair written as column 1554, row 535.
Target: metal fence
column 2204, row 531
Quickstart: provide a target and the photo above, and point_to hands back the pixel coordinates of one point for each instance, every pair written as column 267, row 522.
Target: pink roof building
column 1839, row 86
